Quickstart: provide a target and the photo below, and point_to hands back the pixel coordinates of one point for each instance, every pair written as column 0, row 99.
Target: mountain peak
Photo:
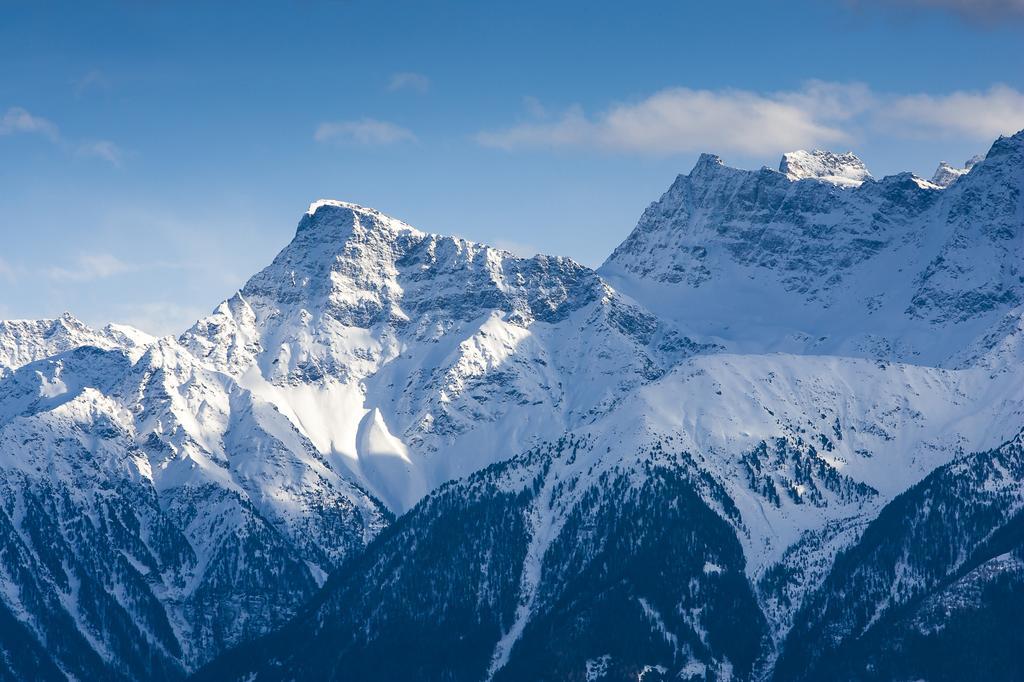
column 946, row 174
column 707, row 163
column 844, row 169
column 25, row 341
column 1007, row 145
column 68, row 317
column 338, row 204
column 334, row 219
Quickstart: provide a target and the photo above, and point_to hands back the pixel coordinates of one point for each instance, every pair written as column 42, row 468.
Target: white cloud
column 90, row 267
column 982, row 114
column 102, row 149
column 571, row 129
column 679, row 120
column 17, row 120
column 408, row 80
column 365, row 131
column 835, row 102
column 682, row 120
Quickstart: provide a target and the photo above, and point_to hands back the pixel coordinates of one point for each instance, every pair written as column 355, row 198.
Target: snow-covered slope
column 933, row 589
column 678, row 535
column 221, row 517
column 808, row 449
column 570, row 561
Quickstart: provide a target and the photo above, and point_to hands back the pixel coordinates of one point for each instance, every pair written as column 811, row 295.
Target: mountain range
column 776, row 435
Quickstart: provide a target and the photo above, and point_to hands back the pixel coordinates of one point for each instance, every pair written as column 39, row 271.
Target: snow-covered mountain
column 368, row 364
column 404, row 356
column 25, row 341
column 521, row 468
column 762, row 261
column 158, row 512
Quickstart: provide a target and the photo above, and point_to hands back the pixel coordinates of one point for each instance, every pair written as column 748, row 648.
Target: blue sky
column 153, row 154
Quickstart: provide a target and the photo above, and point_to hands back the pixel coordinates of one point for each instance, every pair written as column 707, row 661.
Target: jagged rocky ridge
column 684, row 492
column 759, row 262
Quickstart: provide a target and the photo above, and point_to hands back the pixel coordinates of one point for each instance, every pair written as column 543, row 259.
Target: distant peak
column 946, row 174
column 844, row 169
column 69, row 321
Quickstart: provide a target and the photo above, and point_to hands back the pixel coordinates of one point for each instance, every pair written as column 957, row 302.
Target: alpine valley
column 777, row 435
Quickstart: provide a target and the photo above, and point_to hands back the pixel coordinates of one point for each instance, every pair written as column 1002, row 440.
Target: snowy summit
column 845, row 170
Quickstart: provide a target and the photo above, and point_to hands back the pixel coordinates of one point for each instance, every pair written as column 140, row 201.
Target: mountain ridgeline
column 777, row 435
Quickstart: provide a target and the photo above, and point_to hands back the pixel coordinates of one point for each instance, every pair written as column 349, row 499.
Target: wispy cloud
column 366, row 131
column 408, row 80
column 678, row 120
column 17, row 120
column 91, row 80
column 89, row 267
column 534, row 107
column 20, row 121
column 979, row 114
column 101, row 149
column 682, row 120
